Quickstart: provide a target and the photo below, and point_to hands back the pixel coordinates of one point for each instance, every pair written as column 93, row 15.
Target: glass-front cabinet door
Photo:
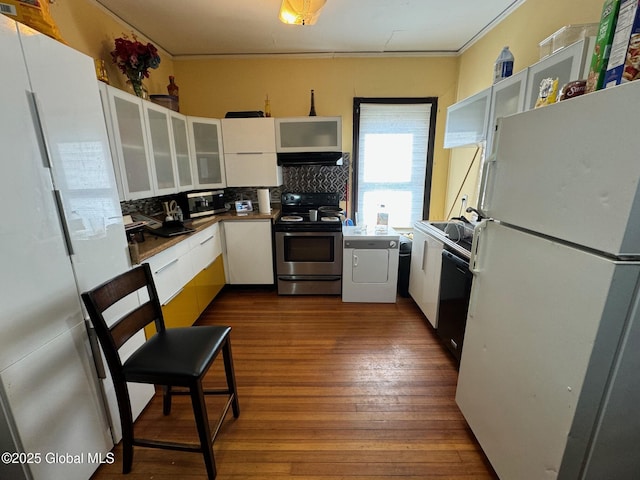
column 181, row 144
column 131, row 145
column 160, row 150
column 207, row 159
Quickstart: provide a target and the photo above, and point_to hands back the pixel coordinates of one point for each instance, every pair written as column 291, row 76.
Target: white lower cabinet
column 188, row 276
column 249, row 252
column 424, row 279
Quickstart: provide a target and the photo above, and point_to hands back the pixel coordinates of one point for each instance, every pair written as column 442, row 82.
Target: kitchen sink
column 454, row 230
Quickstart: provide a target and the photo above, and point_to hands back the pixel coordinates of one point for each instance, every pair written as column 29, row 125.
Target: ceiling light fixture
column 300, row 12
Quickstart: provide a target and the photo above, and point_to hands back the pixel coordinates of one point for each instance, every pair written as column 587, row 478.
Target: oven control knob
column 392, row 244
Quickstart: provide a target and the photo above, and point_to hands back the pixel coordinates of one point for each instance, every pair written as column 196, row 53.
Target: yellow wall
column 522, row 31
column 212, row 86
column 89, row 28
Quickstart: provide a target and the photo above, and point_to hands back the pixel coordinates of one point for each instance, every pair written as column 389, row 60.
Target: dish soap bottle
column 382, row 223
column 503, row 67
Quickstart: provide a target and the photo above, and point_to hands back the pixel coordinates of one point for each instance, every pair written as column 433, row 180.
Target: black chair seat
column 175, row 356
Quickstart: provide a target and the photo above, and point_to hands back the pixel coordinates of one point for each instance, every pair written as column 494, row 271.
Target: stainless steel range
column 309, row 252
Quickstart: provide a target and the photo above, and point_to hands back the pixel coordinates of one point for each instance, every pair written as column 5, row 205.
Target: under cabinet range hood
column 298, row 159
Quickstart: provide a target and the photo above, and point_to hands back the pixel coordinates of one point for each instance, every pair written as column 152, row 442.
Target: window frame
column 357, row 102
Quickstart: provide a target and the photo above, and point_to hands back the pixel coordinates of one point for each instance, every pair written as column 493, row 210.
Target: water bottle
column 382, row 221
column 503, row 67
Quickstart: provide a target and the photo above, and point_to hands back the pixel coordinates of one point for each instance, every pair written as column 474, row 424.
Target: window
column 393, row 157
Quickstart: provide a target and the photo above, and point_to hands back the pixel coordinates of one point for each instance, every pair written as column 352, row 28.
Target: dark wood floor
column 328, row 390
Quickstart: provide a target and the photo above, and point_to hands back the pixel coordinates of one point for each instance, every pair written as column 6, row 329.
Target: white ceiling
column 251, row 27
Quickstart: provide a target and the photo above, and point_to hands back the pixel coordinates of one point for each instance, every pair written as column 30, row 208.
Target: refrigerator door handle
column 95, row 350
column 63, row 223
column 489, row 168
column 40, row 129
column 474, row 268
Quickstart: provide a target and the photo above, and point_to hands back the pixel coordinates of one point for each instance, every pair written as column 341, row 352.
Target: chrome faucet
column 477, row 212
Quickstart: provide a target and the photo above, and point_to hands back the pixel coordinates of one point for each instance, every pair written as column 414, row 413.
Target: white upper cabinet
column 568, row 64
column 160, row 148
column 250, row 152
column 472, row 120
column 467, row 120
column 207, row 161
column 308, row 134
column 507, row 98
column 129, row 138
column 249, row 135
column 150, row 144
column 181, row 150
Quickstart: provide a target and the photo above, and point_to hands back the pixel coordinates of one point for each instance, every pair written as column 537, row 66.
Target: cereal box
column 602, row 48
column 624, row 66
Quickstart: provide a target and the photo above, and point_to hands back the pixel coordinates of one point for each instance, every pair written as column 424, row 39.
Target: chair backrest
column 104, row 296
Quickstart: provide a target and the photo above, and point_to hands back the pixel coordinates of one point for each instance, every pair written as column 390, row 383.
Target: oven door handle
column 309, row 278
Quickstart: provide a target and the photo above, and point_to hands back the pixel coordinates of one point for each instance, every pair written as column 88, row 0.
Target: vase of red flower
column 134, row 59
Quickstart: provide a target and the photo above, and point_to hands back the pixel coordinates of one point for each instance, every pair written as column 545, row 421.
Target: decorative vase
column 172, row 88
column 136, row 86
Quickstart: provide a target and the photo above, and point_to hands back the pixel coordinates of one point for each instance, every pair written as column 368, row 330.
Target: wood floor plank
column 328, row 391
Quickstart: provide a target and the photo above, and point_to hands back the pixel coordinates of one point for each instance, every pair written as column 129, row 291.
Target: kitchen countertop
column 153, row 245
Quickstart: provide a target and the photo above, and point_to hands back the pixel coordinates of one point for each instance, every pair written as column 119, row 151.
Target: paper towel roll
column 264, row 200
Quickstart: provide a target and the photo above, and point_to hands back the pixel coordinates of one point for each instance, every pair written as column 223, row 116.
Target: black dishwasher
column 453, row 303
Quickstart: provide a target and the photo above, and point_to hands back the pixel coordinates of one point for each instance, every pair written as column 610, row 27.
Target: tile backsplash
column 313, row 178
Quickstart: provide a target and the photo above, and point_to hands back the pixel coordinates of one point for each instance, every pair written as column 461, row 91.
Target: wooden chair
column 175, row 357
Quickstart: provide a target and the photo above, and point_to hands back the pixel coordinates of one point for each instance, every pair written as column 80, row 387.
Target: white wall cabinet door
column 309, row 134
column 207, row 161
column 158, row 130
column 250, row 152
column 249, row 252
column 566, row 65
column 181, row 151
column 467, row 120
column 131, row 144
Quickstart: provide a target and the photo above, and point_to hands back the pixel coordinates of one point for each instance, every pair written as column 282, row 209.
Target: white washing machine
column 369, row 265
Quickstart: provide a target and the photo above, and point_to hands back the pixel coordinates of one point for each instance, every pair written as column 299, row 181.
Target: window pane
column 392, row 161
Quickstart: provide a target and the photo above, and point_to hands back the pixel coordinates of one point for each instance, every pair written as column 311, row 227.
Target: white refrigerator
column 549, row 379
column 61, row 233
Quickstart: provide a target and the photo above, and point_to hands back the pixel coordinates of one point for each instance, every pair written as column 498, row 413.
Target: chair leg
column 166, row 399
column 204, row 432
column 231, row 376
column 126, row 423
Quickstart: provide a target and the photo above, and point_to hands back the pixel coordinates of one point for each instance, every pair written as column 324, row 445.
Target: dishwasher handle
column 461, row 263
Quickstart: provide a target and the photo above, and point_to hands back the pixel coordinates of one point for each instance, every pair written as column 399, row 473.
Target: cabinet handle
column 424, row 255
column 249, row 153
column 172, row 297
column 167, row 265
column 207, row 239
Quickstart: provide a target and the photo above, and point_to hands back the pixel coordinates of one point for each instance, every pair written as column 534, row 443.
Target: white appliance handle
column 424, row 255
column 488, row 169
column 355, row 260
column 474, row 268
